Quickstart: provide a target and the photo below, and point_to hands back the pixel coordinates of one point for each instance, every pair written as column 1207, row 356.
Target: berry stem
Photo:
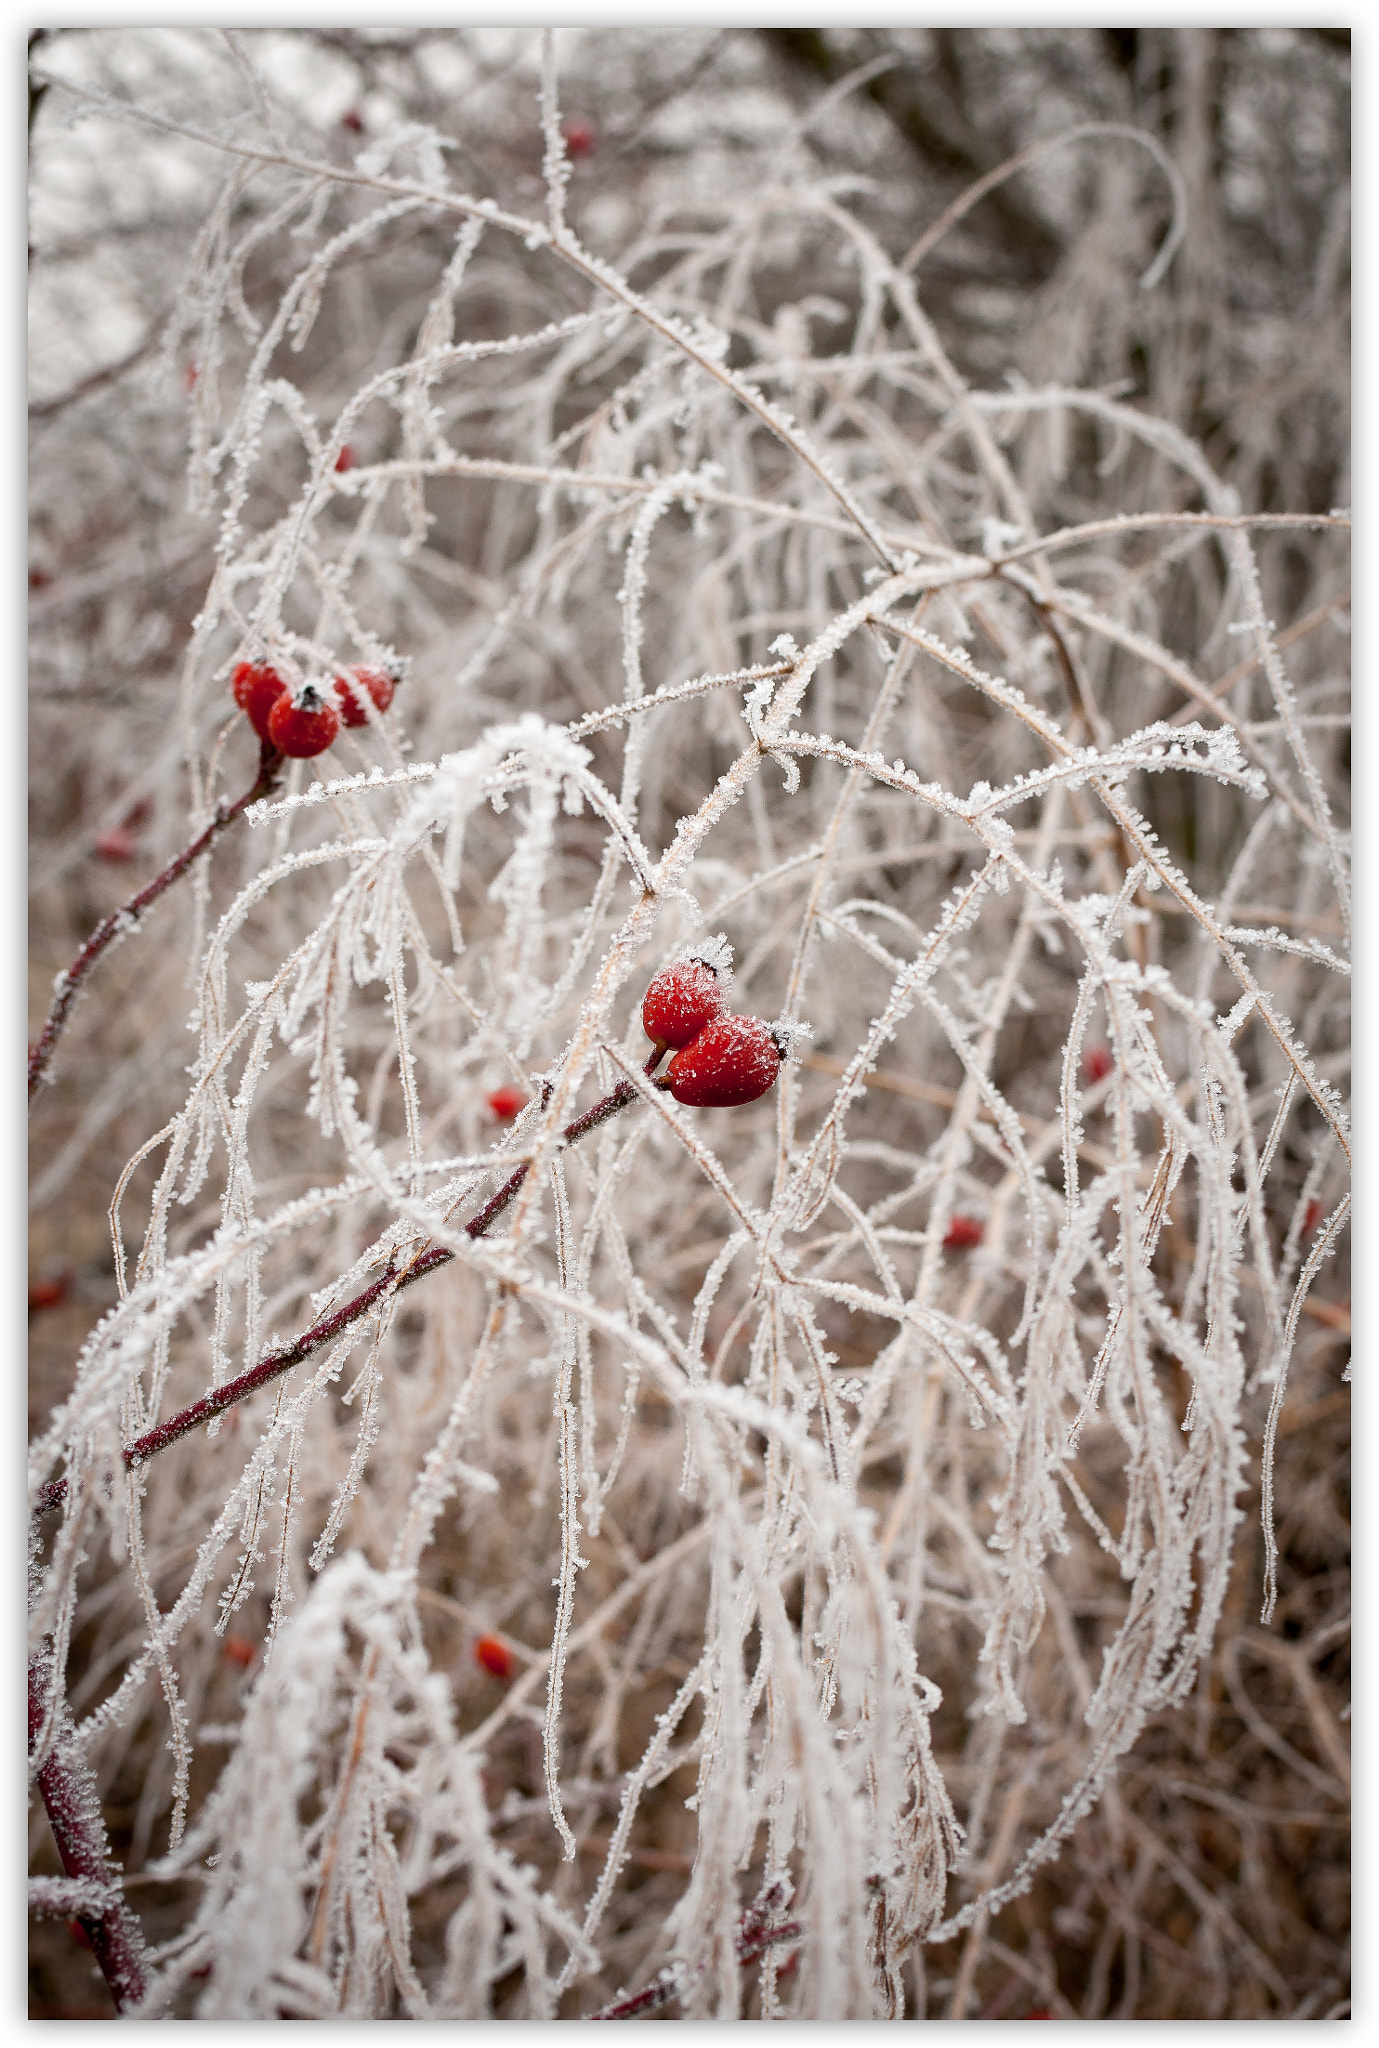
column 128, row 915
column 278, row 1362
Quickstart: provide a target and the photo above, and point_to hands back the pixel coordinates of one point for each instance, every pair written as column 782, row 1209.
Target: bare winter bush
column 900, row 1520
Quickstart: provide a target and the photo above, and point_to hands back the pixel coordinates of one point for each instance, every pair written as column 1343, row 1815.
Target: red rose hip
column 302, row 727
column 1097, row 1063
column 116, row 844
column 505, row 1103
column 733, row 1060
column 495, row 1656
column 256, row 688
column 357, row 682
column 681, row 1000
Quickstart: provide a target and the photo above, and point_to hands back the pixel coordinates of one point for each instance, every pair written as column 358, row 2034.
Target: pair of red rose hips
column 720, row 1060
column 307, row 723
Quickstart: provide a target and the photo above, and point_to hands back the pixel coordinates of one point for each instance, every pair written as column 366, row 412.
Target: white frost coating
column 60, row 1898
column 342, row 1663
column 935, row 1378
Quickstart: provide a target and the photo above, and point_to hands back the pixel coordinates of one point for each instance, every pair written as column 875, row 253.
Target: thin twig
column 127, row 916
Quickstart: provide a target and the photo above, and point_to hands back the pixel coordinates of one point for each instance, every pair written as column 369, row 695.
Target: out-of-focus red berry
column 581, row 137
column 190, row 373
column 1096, row 1064
column 39, row 579
column 506, row 1102
column 353, row 120
column 1039, row 2012
column 239, row 1650
column 963, row 1233
column 345, row 459
column 47, row 1293
column 116, row 844
column 495, row 1656
column 1312, row 1218
column 354, row 684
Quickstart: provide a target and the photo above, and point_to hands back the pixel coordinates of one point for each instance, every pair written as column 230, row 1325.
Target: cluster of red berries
column 720, row 1060
column 307, row 721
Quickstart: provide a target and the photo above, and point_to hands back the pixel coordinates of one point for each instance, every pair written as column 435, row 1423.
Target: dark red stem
column 752, row 1940
column 68, row 1789
column 278, row 1362
column 128, row 915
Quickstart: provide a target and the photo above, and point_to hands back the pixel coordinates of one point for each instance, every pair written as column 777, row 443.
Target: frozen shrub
column 701, row 1559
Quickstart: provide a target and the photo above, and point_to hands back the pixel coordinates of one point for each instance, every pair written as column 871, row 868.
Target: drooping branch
column 389, row 1280
column 72, row 1805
